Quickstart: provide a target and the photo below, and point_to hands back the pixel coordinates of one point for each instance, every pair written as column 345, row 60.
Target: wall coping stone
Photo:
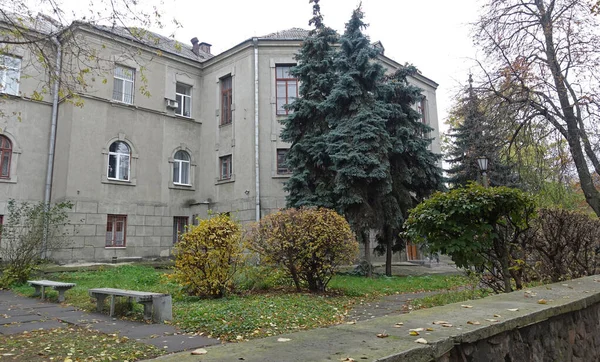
column 360, row 342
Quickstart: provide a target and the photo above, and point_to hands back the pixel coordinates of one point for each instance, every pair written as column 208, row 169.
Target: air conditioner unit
column 172, row 104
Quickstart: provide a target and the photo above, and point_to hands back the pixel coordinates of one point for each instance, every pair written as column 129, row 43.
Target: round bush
column 308, row 242
column 208, row 255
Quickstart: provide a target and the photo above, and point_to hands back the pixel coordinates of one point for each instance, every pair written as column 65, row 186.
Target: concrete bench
column 157, row 306
column 40, row 286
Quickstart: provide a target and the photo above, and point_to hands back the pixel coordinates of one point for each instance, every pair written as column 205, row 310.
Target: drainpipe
column 52, row 145
column 256, row 146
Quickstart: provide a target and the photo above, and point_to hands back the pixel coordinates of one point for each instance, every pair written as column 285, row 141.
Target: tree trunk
column 388, row 250
column 592, row 196
column 367, row 245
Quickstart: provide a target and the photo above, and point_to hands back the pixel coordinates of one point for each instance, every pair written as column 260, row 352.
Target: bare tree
column 42, row 30
column 542, row 59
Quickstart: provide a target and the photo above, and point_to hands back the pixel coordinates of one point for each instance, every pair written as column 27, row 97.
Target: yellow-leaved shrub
column 308, row 242
column 207, row 256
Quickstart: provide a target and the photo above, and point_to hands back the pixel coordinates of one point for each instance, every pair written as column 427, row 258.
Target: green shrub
column 208, row 255
column 29, row 233
column 484, row 228
column 309, row 243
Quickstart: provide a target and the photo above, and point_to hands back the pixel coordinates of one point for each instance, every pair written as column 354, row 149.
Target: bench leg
column 100, row 302
column 112, row 305
column 61, row 294
column 43, row 292
column 147, row 310
column 38, row 291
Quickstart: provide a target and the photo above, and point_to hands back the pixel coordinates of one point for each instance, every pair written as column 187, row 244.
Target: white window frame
column 4, row 78
column 124, row 80
column 183, row 99
column 181, row 164
column 118, row 164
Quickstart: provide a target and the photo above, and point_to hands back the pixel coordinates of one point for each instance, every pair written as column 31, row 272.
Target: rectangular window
column 10, row 73
column 123, row 84
column 226, row 100
column 1, row 225
column 282, row 168
column 116, row 227
column 225, row 167
column 286, row 88
column 179, row 224
column 183, row 96
column 195, row 219
column 421, row 109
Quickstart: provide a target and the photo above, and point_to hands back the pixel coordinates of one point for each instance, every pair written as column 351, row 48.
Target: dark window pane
column 112, row 166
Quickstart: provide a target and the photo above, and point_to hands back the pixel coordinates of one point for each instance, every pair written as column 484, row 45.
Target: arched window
column 181, row 168
column 5, row 156
column 119, row 161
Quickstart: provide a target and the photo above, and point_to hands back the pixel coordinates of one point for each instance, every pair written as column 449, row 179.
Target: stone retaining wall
column 558, row 322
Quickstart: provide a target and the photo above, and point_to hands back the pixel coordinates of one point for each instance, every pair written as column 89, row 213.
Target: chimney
column 205, row 47
column 195, row 46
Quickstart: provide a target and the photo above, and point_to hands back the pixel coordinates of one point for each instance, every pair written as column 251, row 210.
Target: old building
column 159, row 136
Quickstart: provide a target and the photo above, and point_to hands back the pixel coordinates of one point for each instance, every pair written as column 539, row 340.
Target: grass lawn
column 249, row 314
column 73, row 344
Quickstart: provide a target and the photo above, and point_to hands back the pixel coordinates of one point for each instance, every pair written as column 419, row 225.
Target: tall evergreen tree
column 414, row 169
column 472, row 137
column 358, row 141
column 311, row 182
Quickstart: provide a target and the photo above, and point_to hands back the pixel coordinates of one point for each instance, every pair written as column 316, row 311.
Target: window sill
column 116, row 103
column 115, row 247
column 106, row 180
column 174, row 186
column 225, row 181
column 225, row 125
column 283, row 175
column 12, row 180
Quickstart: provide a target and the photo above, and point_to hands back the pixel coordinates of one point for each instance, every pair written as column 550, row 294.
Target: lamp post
column 482, row 162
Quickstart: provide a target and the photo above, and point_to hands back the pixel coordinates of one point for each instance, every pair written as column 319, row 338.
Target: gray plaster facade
column 149, row 198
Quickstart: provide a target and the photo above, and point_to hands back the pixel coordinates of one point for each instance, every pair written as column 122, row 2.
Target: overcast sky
column 434, row 35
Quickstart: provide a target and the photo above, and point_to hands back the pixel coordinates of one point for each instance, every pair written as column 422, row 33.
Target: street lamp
column 482, row 162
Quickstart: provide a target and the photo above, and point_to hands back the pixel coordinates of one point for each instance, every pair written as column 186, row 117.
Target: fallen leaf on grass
column 542, row 301
column 421, row 340
column 283, row 339
column 466, row 306
column 440, row 322
column 413, row 333
column 475, row 323
column 513, row 309
column 199, row 351
column 382, row 335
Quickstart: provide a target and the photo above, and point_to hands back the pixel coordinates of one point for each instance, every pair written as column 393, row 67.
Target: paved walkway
column 19, row 314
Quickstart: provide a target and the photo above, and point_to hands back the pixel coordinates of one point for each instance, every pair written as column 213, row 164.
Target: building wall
column 150, row 200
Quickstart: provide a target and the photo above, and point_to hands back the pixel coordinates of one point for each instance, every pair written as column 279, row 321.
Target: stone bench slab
column 156, row 305
column 61, row 287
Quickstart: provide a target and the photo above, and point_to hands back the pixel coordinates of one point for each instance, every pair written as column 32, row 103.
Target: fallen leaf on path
column 497, row 316
column 475, row 323
column 417, row 329
column 492, row 320
column 413, row 333
column 352, row 322
column 440, row 322
column 513, row 309
column 542, row 301
column 398, row 325
column 421, row 340
column 199, row 351
column 382, row 335
column 348, row 359
column 283, row 339
column 429, row 329
column 446, row 325
column 466, row 306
